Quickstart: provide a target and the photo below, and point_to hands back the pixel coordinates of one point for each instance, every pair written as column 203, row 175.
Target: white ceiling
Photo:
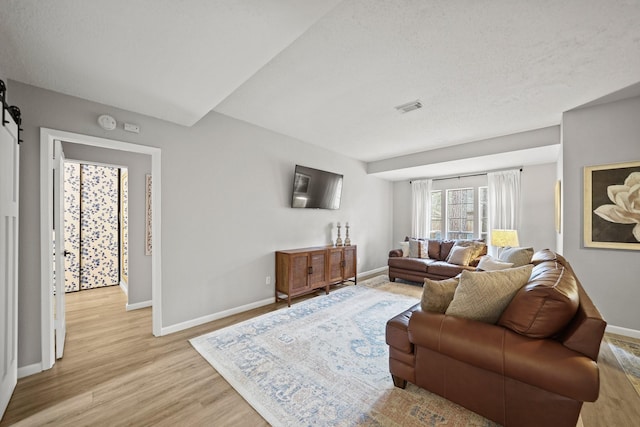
column 330, row 72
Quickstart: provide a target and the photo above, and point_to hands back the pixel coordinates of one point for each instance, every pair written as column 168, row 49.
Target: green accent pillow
column 517, row 256
column 484, row 295
column 437, row 294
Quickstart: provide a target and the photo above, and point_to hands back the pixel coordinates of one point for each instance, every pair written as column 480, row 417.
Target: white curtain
column 421, row 207
column 504, row 200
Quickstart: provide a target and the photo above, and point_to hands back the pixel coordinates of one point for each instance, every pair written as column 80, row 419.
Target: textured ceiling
column 330, row 72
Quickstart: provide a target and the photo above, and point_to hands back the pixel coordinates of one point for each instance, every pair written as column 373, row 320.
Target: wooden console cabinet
column 301, row 271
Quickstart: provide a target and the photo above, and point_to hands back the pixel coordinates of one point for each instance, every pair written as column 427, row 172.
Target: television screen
column 316, row 189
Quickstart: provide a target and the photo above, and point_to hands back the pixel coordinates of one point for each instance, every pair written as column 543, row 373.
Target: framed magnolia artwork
column 612, row 206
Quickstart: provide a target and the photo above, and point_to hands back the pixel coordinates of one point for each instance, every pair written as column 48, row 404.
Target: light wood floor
column 115, row 372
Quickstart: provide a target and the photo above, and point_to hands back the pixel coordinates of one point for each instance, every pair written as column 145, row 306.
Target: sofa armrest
column 395, row 253
column 544, row 363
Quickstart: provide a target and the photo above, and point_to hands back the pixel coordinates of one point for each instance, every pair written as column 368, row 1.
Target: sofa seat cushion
column 396, row 332
column 545, row 305
column 415, row 264
column 445, row 269
column 545, row 364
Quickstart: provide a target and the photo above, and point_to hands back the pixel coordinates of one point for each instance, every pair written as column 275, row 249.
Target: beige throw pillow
column 484, row 295
column 405, row 248
column 460, row 255
column 489, row 263
column 518, row 256
column 437, row 294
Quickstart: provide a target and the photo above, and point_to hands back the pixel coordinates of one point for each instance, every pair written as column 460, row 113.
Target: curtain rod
column 463, row 176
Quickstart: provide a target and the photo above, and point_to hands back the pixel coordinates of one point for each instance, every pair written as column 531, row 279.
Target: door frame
column 47, row 136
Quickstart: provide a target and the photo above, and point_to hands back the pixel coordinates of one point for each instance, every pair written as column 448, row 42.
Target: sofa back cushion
column 545, row 305
column 542, row 256
column 433, row 249
column 445, row 248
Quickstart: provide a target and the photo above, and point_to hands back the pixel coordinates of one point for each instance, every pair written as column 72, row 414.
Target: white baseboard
column 215, row 316
column 28, row 370
column 124, row 287
column 618, row 330
column 139, row 305
column 372, row 272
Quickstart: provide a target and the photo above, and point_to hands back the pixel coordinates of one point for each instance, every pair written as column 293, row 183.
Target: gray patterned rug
column 324, row 362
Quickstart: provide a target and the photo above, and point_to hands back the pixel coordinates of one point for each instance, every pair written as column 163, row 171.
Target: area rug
column 324, row 362
column 628, row 355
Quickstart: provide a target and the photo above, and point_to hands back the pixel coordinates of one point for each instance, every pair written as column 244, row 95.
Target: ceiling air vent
column 409, row 106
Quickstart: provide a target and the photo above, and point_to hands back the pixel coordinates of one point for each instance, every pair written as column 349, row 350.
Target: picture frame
column 609, row 192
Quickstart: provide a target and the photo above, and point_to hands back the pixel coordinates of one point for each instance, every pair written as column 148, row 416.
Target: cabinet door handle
column 311, row 270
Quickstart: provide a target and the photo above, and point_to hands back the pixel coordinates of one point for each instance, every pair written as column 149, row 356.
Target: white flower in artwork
column 626, row 207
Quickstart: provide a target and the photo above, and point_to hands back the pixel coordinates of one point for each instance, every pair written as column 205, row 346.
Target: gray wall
column 601, row 134
column 138, row 165
column 226, row 188
column 537, row 224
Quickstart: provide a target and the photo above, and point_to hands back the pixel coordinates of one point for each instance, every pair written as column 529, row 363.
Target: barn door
column 9, row 168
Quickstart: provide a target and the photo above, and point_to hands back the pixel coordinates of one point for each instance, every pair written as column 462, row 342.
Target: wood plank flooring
column 115, row 373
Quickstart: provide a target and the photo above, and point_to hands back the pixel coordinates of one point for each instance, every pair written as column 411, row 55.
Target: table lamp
column 503, row 238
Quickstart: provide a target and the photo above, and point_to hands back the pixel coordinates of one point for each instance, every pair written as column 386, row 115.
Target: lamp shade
column 504, row 238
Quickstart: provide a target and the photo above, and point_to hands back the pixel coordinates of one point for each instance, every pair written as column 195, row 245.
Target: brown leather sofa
column 508, row 372
column 416, row 269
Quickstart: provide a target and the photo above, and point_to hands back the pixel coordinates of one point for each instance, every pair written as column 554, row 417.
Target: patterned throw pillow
column 518, row 256
column 460, row 255
column 478, row 246
column 414, row 248
column 437, row 294
column 484, row 295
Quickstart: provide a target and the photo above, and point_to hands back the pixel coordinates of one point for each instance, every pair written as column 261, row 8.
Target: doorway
column 47, row 139
column 95, row 226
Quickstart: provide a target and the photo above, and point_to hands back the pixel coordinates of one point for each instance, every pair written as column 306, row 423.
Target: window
column 435, row 228
column 459, row 213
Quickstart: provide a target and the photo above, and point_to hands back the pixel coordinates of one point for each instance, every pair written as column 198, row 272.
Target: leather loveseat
column 435, row 263
column 509, row 372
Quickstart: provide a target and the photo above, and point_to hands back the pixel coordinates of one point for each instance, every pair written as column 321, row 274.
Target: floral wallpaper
column 91, row 226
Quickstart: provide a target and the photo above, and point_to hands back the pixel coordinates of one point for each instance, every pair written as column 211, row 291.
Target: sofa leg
column 399, row 382
column 393, row 279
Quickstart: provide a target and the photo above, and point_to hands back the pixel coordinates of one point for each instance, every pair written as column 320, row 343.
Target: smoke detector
column 409, row 106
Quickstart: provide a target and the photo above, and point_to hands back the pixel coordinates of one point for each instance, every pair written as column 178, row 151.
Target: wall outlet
column 268, row 280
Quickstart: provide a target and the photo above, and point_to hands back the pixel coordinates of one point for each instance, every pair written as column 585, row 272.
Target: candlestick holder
column 347, row 240
column 339, row 239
